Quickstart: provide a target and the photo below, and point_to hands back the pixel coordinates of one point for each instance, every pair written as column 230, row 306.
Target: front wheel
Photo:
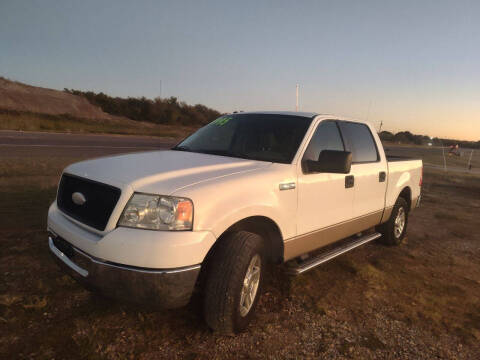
column 394, row 230
column 234, row 282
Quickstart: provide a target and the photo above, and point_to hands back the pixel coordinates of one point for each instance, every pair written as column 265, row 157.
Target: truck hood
column 160, row 172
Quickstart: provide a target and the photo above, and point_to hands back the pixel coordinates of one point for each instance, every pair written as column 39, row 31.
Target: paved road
column 32, row 144
column 19, row 143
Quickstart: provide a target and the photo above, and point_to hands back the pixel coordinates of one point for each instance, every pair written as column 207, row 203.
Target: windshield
column 264, row 137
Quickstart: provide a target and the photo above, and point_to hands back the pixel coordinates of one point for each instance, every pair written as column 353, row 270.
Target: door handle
column 382, row 175
column 349, row 181
column 287, row 186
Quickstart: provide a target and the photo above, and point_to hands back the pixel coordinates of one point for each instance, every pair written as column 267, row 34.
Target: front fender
column 234, row 217
column 220, row 203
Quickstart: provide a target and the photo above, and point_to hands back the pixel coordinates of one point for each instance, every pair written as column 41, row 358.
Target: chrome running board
column 309, row 264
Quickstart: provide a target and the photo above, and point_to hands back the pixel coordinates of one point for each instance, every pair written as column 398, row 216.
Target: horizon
column 411, row 66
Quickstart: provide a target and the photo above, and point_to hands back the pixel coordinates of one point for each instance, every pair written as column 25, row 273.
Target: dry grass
column 59, row 123
column 417, row 300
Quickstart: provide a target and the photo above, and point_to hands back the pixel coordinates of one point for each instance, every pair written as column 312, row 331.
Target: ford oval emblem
column 78, row 198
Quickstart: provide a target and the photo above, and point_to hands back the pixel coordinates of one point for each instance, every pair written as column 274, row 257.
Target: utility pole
column 296, row 104
column 160, row 88
column 381, row 124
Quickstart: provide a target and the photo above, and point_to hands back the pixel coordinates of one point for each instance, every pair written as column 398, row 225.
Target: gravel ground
column 420, row 300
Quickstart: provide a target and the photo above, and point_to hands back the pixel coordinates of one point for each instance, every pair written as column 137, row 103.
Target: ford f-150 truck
column 207, row 215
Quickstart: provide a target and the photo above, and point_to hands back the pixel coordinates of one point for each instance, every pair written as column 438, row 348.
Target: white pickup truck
column 208, row 214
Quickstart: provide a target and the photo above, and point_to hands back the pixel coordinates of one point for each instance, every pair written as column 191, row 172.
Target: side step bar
column 329, row 255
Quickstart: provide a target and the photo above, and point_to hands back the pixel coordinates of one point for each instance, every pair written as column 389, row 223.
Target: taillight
column 421, row 177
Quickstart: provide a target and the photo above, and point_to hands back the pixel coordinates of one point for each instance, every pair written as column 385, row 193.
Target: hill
column 26, row 98
column 32, row 108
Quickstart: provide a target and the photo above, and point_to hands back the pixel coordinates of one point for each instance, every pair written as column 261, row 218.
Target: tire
column 392, row 231
column 226, row 275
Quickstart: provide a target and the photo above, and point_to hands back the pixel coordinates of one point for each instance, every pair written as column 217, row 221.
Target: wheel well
column 406, row 194
column 262, row 226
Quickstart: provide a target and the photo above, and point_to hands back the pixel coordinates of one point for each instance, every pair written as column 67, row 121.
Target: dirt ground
column 420, row 300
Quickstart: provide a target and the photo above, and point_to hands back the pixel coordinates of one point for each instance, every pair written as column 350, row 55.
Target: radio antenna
column 368, row 111
column 296, row 104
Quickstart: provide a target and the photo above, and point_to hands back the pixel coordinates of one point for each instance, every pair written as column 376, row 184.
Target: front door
column 324, row 202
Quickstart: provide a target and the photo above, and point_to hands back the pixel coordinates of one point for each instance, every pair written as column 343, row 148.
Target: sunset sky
column 415, row 65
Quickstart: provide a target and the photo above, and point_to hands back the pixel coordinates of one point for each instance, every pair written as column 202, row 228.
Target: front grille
column 100, row 200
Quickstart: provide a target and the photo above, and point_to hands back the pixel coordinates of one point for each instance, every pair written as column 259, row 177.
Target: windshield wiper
column 181, row 148
column 224, row 153
column 217, row 152
column 212, row 152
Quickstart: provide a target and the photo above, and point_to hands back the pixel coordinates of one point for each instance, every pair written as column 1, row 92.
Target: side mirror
column 330, row 161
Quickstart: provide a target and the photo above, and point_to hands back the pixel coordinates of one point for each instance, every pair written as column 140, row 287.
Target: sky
column 413, row 65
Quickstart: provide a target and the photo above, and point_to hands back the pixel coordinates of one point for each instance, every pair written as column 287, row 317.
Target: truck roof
column 304, row 114
column 294, row 113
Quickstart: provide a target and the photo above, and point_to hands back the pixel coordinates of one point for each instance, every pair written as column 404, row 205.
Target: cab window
column 359, row 140
column 326, row 137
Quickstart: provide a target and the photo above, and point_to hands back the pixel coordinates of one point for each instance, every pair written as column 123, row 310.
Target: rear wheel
column 394, row 230
column 234, row 282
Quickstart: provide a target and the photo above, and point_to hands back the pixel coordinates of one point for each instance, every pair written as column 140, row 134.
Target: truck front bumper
column 164, row 288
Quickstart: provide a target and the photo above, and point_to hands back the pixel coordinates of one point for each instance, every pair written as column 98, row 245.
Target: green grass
column 25, row 121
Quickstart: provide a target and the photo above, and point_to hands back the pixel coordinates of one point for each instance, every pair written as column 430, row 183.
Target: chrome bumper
column 164, row 288
column 66, row 259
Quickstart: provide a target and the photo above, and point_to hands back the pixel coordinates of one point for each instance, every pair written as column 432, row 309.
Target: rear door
column 369, row 172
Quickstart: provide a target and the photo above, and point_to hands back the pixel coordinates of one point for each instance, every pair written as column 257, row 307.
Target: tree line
column 174, row 112
column 406, row 137
column 158, row 110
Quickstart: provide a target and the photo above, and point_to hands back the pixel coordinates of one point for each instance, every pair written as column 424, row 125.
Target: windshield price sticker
column 222, row 120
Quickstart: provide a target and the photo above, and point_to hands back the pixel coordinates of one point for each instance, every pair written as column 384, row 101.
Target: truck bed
column 402, row 172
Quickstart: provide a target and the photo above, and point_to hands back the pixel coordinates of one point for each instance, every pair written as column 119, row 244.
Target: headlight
column 156, row 212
